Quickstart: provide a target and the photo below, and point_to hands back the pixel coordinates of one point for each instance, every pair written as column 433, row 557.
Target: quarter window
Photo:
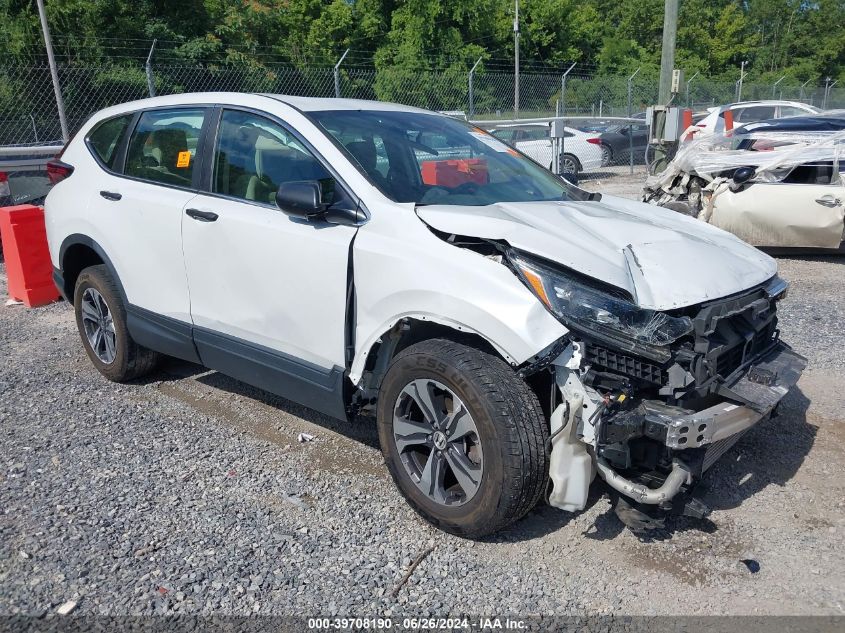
column 105, row 138
column 255, row 155
column 163, row 146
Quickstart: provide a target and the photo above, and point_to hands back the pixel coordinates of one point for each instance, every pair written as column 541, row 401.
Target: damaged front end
column 651, row 400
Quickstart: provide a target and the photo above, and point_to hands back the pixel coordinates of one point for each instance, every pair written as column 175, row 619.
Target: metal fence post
column 630, row 114
column 563, row 104
column 54, row 72
column 801, row 94
column 775, row 86
column 827, row 92
column 337, row 74
column 689, row 81
column 151, row 84
column 471, row 94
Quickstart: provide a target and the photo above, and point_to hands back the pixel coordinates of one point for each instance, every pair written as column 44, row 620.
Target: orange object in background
column 729, row 121
column 28, row 266
column 454, row 172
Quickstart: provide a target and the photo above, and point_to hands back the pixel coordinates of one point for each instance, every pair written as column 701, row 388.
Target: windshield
column 432, row 159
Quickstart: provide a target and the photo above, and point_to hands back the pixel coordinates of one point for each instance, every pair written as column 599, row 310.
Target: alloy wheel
column 438, row 442
column 98, row 324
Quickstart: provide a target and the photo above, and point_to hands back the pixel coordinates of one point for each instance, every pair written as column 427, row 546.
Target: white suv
column 512, row 334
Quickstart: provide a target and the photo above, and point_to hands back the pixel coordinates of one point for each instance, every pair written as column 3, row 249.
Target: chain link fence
column 28, row 112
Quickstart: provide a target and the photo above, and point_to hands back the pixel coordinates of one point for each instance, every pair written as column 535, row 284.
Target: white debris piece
column 67, row 607
column 304, row 437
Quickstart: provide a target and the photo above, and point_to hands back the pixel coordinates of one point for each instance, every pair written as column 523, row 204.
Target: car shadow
column 771, row 453
column 362, row 429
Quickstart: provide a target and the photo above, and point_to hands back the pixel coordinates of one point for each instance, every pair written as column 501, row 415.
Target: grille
column 733, row 358
column 627, row 365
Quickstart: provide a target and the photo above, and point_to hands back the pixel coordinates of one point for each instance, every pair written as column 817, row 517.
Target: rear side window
column 754, row 113
column 163, row 146
column 105, row 138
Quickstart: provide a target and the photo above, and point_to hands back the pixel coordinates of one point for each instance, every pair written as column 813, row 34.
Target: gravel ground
column 189, row 493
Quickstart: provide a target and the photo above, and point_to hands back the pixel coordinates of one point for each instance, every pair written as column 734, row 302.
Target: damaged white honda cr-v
column 514, row 335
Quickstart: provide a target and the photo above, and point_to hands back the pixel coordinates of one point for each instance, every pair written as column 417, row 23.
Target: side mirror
column 316, row 200
column 743, row 174
column 302, row 199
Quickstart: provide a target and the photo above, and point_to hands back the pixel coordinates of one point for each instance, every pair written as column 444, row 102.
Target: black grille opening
column 626, row 365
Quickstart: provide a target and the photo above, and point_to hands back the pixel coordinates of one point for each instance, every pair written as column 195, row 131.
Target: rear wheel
column 101, row 319
column 569, row 164
column 606, row 156
column 463, row 437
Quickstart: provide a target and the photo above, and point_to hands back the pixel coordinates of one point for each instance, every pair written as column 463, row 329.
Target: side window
column 254, row 156
column 754, row 113
column 793, row 111
column 105, row 138
column 163, row 146
column 536, row 134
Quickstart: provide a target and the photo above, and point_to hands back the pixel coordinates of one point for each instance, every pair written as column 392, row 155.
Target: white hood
column 664, row 259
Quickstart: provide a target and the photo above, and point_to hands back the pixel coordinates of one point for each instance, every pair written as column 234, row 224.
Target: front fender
column 430, row 280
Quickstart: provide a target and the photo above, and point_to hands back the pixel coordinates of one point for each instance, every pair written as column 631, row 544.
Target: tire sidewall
column 482, row 508
column 98, row 279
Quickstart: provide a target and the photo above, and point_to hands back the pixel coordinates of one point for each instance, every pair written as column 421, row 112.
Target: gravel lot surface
column 189, row 493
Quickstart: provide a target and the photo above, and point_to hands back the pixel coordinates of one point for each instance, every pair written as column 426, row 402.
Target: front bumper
column 753, row 395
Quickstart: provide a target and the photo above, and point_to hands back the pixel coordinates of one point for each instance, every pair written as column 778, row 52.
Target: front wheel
column 463, row 436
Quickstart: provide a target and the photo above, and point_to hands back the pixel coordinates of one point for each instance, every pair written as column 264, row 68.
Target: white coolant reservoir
column 571, row 469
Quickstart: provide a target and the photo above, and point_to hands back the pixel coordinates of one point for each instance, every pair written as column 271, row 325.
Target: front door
column 268, row 291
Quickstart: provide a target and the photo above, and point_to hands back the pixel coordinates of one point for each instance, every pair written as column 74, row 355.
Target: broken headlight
column 585, row 306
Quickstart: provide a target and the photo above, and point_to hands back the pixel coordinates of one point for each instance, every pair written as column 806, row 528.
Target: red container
column 455, row 172
column 28, row 266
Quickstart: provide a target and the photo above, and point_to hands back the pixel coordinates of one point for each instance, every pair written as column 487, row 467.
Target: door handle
column 202, row 216
column 829, row 201
column 111, row 195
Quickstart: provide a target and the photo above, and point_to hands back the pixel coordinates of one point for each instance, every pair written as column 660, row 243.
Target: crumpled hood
column 664, row 259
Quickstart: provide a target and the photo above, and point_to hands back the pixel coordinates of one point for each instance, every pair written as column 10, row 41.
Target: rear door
column 137, row 206
column 269, row 292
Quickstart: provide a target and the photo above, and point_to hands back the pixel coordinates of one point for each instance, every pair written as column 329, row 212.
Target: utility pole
column 516, row 60
column 739, row 83
column 54, row 73
column 667, row 56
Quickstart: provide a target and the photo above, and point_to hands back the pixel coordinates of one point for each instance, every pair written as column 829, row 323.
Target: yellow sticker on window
column 183, row 159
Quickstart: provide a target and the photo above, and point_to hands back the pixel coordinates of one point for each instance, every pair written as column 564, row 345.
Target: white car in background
column 750, row 112
column 581, row 150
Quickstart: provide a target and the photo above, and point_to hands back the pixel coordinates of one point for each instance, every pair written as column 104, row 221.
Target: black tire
column 512, row 432
column 575, row 162
column 606, row 155
column 130, row 359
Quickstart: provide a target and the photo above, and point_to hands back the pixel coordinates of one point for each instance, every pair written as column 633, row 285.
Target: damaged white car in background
column 773, row 184
column 512, row 334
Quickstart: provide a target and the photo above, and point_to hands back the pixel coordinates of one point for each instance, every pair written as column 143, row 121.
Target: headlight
column 586, row 307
